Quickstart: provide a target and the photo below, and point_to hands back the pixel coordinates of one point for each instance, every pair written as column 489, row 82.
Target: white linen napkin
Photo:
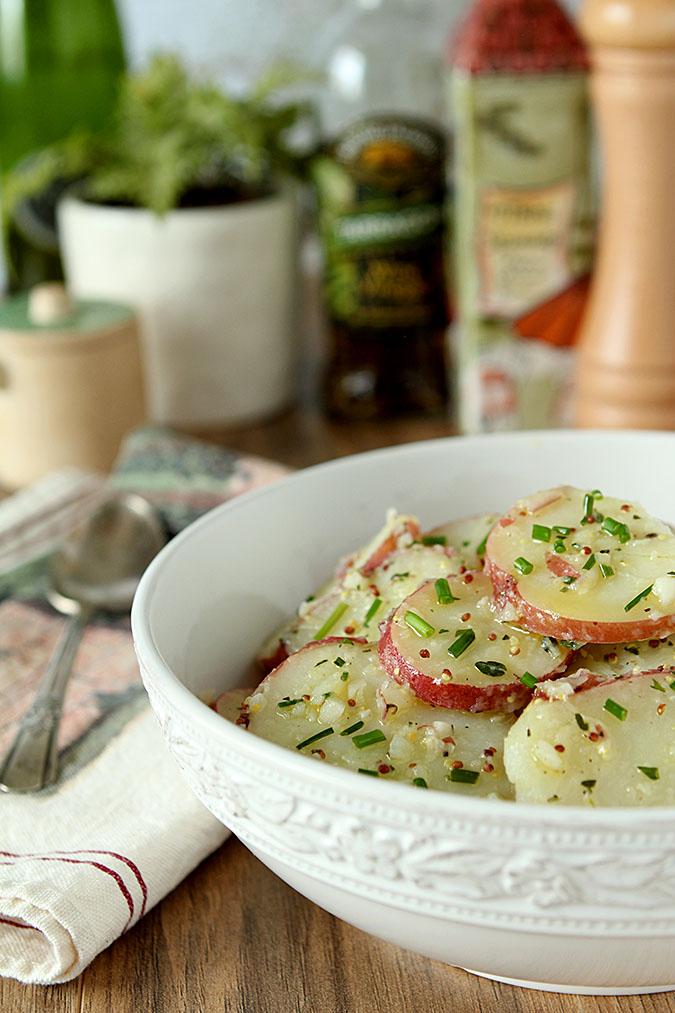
column 82, row 861
column 80, row 866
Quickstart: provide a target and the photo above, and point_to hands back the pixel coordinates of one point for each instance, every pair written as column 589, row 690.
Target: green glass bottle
column 60, row 61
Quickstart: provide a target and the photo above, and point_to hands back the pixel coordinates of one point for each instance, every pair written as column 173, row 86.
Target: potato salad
column 528, row 656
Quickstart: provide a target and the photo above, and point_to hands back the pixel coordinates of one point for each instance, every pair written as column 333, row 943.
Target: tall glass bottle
column 60, row 61
column 380, row 184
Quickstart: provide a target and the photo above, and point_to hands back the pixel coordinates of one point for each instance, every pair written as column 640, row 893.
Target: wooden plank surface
column 233, row 937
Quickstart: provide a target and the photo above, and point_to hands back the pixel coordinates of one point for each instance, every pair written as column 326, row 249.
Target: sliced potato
column 458, row 654
column 332, row 701
column 618, row 660
column 229, row 703
column 573, row 565
column 398, row 532
column 611, row 744
column 467, row 538
column 357, row 604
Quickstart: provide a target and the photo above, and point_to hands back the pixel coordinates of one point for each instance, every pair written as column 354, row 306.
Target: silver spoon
column 98, row 566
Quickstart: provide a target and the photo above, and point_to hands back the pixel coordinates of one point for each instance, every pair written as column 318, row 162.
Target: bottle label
column 523, row 235
column 523, row 245
column 380, row 192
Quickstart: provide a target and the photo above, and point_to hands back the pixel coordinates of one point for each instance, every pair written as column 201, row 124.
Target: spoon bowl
column 101, row 562
column 97, row 567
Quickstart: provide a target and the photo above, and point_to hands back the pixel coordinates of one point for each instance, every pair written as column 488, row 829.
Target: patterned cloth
column 81, row 861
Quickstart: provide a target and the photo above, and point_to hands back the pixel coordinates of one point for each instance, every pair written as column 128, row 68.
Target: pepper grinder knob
column 626, row 363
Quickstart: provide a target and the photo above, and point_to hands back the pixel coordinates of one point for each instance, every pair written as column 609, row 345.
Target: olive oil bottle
column 380, row 187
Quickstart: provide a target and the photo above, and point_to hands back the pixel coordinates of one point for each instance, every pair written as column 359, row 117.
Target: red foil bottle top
column 517, row 37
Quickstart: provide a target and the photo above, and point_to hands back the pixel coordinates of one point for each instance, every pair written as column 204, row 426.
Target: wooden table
column 233, row 937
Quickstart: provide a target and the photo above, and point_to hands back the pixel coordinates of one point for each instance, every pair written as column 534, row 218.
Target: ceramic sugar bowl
column 70, row 383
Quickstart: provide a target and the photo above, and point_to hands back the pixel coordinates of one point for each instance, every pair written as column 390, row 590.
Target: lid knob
column 49, row 303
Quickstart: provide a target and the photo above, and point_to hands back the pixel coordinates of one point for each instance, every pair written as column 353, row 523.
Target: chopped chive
column 463, row 776
column 344, row 676
column 528, row 680
column 333, row 618
column 481, row 547
column 616, row 528
column 444, row 595
column 606, row 571
column 464, row 640
column 580, row 721
column 568, row 580
column 615, row 709
column 540, row 533
column 573, row 645
column 590, row 562
column 314, row 738
column 340, row 662
column 523, row 565
column 373, row 773
column 434, row 540
column 369, row 738
column 492, row 668
column 657, row 685
column 597, row 494
column 352, row 728
column 632, row 650
column 589, row 785
column 589, row 500
column 419, row 782
column 374, row 606
column 559, row 546
column 288, row 703
column 560, row 529
column 418, row 625
column 638, row 598
column 651, row 772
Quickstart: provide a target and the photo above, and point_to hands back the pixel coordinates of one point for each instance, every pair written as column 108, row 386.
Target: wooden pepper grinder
column 626, row 363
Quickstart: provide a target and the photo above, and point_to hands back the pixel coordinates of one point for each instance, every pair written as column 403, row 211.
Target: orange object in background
column 557, row 320
column 626, row 366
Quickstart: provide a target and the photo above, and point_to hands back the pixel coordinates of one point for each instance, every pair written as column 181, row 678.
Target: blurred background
column 371, row 209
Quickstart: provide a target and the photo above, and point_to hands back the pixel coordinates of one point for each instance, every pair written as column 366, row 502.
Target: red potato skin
column 560, row 567
column 243, row 718
column 594, row 679
column 549, row 624
column 505, row 698
column 388, row 546
column 272, row 661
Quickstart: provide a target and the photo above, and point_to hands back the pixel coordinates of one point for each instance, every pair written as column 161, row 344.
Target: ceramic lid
column 48, row 307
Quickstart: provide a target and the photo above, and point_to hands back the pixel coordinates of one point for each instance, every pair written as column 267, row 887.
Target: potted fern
column 184, row 209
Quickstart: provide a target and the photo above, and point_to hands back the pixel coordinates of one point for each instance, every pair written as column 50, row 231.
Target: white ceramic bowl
column 569, row 899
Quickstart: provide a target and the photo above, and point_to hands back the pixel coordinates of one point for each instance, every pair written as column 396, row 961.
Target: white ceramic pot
column 573, row 899
column 214, row 289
